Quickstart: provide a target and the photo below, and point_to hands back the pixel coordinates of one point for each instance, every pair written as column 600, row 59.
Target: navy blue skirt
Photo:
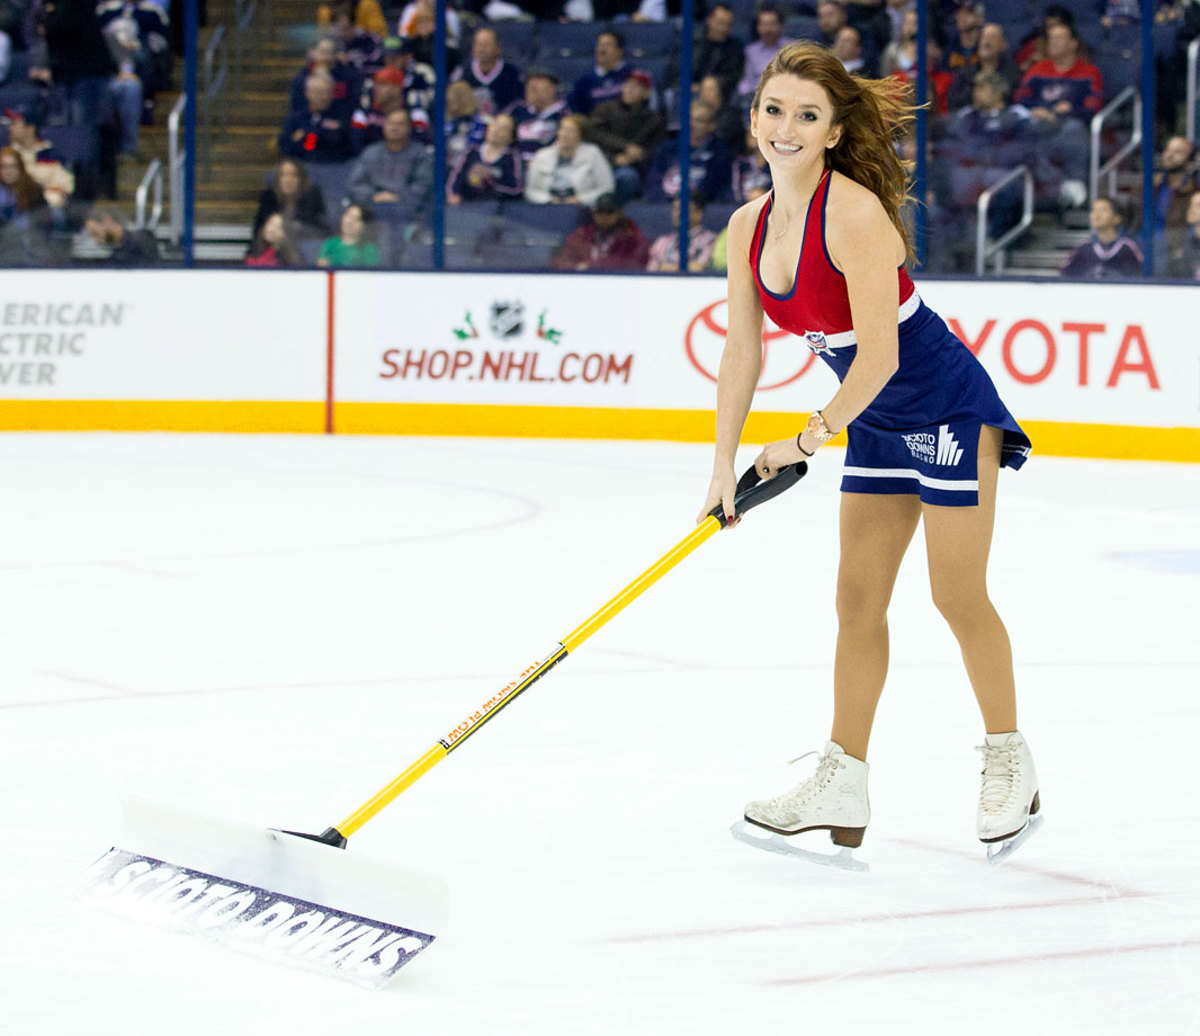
column 921, row 433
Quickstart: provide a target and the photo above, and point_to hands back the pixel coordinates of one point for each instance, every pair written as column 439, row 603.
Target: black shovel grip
column 751, row 492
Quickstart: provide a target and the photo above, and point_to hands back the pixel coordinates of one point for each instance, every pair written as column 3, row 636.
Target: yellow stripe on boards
column 1050, row 438
column 154, row 415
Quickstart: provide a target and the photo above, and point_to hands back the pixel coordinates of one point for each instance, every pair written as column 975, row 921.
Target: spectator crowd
column 561, row 122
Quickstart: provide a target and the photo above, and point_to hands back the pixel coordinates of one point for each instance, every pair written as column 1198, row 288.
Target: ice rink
column 269, row 628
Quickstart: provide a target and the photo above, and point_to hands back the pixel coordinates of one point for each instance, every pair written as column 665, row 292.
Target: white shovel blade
column 267, row 892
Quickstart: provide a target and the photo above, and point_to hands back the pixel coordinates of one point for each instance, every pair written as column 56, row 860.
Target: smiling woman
column 822, row 255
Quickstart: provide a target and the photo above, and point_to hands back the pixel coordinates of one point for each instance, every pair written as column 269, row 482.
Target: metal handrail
column 152, row 179
column 216, row 73
column 1127, row 96
column 176, row 160
column 985, row 249
column 1193, row 67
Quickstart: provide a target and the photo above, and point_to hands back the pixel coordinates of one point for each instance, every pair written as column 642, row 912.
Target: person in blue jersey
column 1110, row 251
column 603, row 83
column 823, row 256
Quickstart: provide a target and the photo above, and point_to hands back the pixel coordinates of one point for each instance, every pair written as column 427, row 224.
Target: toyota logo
column 705, row 341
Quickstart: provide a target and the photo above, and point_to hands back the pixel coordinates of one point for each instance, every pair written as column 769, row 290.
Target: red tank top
column 818, row 300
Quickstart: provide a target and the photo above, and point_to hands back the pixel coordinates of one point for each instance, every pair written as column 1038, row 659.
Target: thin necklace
column 780, row 233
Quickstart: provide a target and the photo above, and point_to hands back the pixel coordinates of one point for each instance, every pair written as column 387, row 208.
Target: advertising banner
column 622, row 349
column 162, row 349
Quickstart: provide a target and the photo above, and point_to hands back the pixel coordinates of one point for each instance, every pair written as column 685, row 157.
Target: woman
column 491, row 171
column 823, row 256
column 664, row 253
column 20, row 193
column 273, row 246
column 570, row 171
column 350, row 247
column 295, row 197
column 465, row 127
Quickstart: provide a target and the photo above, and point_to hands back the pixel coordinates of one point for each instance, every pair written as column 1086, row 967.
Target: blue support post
column 922, row 131
column 685, row 128
column 438, row 126
column 191, row 52
column 1148, row 88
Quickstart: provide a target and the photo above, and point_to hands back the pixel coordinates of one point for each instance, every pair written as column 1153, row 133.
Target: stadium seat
column 333, row 178
column 517, row 40
column 568, row 39
column 648, row 39
column 654, row 218
column 74, row 143
column 1120, row 66
column 801, row 27
column 539, row 224
column 716, row 215
column 567, row 69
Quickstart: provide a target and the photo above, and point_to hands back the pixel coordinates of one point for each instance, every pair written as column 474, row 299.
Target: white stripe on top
column 966, row 485
column 844, row 338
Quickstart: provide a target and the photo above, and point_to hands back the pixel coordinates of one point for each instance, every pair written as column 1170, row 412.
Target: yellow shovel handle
column 751, row 493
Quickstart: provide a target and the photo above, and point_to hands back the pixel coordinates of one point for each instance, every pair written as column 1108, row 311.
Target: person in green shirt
column 350, row 247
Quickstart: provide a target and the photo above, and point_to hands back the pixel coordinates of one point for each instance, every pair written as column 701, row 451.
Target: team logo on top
column 815, row 340
column 940, row 449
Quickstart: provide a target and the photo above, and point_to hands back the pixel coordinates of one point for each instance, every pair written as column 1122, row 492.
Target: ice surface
column 269, row 628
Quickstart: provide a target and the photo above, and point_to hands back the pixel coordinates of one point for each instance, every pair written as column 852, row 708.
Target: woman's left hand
column 776, row 456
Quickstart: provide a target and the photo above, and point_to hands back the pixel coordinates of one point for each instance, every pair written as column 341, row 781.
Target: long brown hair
column 304, row 180
column 873, row 114
column 27, row 190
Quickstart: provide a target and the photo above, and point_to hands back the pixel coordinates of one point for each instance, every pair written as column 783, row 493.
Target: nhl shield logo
column 815, row 340
column 507, row 319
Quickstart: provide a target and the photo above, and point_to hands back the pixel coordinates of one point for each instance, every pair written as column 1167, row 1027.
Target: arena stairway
column 244, row 152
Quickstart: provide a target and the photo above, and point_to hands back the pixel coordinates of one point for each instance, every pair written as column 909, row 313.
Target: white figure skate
column 833, row 799
column 1008, row 795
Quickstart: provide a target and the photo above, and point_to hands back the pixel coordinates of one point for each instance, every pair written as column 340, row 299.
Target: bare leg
column 958, row 540
column 875, row 532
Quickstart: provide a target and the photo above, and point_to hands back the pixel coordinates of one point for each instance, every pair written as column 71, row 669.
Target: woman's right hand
column 721, row 490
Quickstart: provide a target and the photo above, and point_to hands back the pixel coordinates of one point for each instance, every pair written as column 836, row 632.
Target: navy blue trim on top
column 763, row 239
column 824, row 246
column 828, row 257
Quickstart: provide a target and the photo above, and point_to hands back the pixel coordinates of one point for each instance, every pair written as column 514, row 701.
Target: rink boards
column 1090, row 370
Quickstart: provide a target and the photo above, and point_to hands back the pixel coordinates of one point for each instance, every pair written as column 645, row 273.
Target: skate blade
column 998, row 852
column 769, row 841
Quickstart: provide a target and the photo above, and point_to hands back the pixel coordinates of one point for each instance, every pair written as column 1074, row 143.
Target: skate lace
column 826, row 768
column 999, row 777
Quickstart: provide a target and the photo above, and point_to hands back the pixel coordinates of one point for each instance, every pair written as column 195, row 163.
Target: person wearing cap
column 42, row 162
column 536, row 118
column 609, row 240
column 387, row 95
column 495, row 82
column 628, row 131
column 603, row 83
